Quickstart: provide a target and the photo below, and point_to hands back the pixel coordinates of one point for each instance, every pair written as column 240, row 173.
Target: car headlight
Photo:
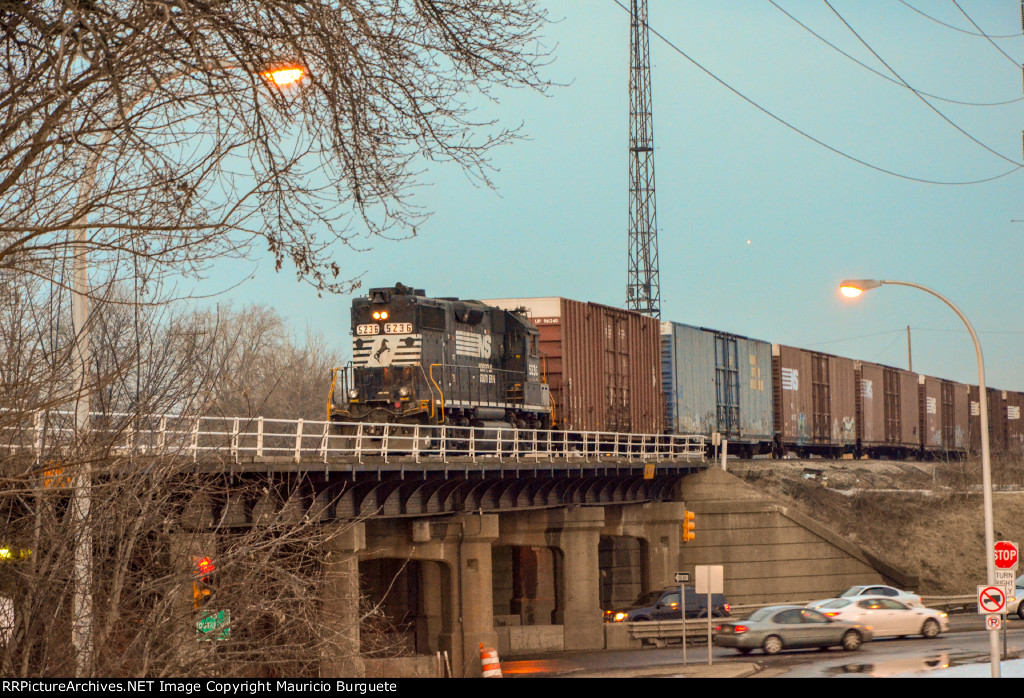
column 619, row 616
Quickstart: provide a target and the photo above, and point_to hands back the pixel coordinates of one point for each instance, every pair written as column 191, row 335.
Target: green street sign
column 215, row 625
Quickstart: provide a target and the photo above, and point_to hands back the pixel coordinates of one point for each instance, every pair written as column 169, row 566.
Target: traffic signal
column 686, row 533
column 202, row 585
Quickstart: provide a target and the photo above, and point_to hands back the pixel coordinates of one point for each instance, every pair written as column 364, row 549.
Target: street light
column 852, row 288
column 81, row 501
column 284, row 76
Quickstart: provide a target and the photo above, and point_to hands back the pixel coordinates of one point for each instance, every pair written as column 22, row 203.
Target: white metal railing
column 47, row 434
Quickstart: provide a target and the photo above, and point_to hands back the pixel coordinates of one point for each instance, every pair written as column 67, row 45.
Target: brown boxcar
column 1013, row 404
column 602, row 364
column 888, row 422
column 815, row 401
column 996, row 420
column 944, row 416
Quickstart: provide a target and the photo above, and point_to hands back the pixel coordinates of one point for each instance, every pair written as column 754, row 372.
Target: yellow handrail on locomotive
column 330, row 393
column 544, row 379
column 439, row 391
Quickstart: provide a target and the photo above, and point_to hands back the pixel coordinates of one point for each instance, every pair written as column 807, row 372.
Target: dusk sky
column 757, row 223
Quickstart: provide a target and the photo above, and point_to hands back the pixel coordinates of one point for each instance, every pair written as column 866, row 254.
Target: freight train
column 555, row 363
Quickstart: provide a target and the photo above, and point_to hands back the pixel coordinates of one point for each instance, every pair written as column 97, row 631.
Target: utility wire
column 808, row 136
column 950, row 26
column 883, row 75
column 916, row 93
column 997, row 46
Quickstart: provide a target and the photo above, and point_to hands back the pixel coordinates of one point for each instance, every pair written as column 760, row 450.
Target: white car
column 907, row 597
column 888, row 617
column 1013, row 604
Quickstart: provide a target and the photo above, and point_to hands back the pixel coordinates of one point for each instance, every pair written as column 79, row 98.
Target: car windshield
column 837, row 603
column 759, row 614
column 647, row 599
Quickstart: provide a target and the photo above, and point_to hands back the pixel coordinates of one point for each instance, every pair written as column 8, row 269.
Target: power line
column 916, row 93
column 808, row 136
column 950, row 26
column 883, row 75
column 997, row 46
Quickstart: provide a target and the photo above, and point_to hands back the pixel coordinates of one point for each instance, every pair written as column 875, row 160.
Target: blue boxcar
column 718, row 382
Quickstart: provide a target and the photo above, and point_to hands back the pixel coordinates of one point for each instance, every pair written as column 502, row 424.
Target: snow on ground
column 1013, row 668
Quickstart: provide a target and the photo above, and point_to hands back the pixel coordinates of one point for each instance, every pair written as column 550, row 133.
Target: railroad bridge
column 512, row 539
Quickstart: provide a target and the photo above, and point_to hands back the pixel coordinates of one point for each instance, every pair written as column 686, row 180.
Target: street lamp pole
column 81, row 501
column 854, row 287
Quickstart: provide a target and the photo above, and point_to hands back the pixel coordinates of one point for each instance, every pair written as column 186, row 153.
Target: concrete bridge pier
column 341, row 602
column 433, row 579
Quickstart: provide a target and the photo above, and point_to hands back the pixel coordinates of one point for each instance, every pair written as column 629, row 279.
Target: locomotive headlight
column 380, row 315
column 404, row 391
column 353, row 394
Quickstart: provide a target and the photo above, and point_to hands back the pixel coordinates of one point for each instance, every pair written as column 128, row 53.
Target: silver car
column 777, row 628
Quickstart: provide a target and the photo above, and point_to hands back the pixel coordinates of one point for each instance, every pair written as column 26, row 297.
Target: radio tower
column 643, row 291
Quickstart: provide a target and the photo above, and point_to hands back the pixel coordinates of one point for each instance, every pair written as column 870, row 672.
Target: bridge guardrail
column 263, row 439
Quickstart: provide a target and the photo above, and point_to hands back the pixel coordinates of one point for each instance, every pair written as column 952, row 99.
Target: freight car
column 601, row 364
column 815, row 402
column 718, row 382
column 419, row 360
column 888, row 411
column 943, row 413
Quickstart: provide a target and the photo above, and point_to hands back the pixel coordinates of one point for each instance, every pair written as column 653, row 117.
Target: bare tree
column 151, row 126
column 153, row 510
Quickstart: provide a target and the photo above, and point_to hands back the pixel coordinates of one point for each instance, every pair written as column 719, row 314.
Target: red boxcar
column 602, row 364
column 815, row 401
column 944, row 416
column 888, row 420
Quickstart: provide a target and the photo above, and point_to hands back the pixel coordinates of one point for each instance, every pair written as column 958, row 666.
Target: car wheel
column 852, row 641
column 1020, row 611
column 640, row 618
column 772, row 644
column 930, row 628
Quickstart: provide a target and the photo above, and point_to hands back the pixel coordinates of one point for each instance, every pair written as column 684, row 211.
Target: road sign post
column 1006, row 555
column 709, row 579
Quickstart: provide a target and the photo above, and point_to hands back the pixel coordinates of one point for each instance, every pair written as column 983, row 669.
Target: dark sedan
column 776, row 628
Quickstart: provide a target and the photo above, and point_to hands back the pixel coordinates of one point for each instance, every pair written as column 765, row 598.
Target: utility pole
column 643, row 289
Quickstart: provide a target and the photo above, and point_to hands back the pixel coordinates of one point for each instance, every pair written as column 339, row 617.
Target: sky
column 822, row 170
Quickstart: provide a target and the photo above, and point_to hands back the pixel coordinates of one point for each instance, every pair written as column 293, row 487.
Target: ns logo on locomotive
column 428, row 361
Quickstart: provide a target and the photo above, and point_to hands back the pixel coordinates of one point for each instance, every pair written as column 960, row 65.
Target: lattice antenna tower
column 643, row 289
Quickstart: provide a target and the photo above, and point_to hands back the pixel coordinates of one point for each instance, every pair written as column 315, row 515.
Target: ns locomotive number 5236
column 419, row 360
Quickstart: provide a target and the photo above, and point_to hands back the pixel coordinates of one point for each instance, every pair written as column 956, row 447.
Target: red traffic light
column 204, row 565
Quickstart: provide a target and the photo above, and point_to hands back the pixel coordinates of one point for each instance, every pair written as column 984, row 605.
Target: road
column 966, row 643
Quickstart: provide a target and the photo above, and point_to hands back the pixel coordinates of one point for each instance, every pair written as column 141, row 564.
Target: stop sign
column 1006, row 555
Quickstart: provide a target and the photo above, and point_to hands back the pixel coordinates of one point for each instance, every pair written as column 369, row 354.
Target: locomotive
column 419, row 360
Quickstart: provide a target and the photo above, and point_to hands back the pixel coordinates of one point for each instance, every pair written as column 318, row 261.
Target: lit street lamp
column 81, row 501
column 851, row 288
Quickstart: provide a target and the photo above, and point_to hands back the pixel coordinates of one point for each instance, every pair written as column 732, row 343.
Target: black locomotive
column 419, row 360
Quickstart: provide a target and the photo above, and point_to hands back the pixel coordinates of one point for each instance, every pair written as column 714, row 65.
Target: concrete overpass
column 516, row 541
